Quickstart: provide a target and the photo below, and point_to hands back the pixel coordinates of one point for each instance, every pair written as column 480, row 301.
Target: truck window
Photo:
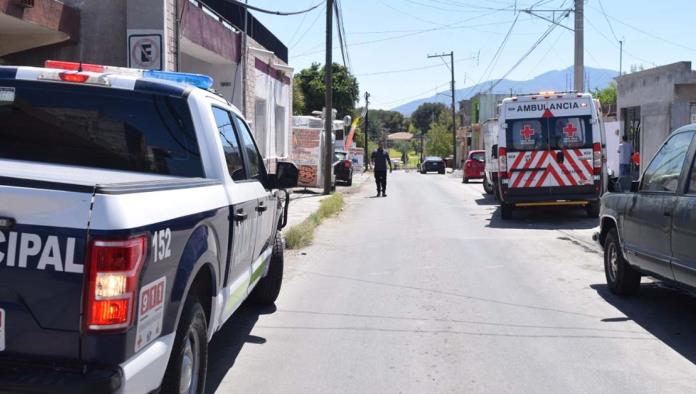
column 255, row 162
column 527, row 134
column 662, row 175
column 230, row 144
column 570, row 133
column 91, row 126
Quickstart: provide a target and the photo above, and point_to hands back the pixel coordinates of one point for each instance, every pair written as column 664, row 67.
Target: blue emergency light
column 197, row 80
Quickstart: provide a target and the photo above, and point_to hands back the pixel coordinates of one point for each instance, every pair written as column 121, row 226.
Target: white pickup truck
column 136, row 215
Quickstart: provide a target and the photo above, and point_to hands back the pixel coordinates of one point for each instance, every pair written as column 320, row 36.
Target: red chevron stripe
column 573, row 164
column 542, row 160
column 517, row 161
column 543, row 178
column 588, row 167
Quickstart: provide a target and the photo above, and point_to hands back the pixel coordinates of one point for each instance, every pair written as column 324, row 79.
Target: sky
column 385, row 37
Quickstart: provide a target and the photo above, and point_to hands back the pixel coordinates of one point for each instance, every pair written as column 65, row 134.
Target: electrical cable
column 406, row 99
column 498, row 51
column 403, row 70
column 311, row 25
column 299, row 26
column 281, row 13
column 611, row 28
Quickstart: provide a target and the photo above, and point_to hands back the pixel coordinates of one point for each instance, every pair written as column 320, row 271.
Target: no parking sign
column 145, row 49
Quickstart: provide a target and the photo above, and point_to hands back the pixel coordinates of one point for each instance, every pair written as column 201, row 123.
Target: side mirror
column 286, row 175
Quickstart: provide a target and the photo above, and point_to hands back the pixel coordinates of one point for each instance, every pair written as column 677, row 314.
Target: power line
column 340, row 34
column 311, row 25
column 404, row 70
column 656, row 37
column 406, row 99
column 443, row 27
column 498, row 51
column 612, row 42
column 299, row 26
column 536, row 44
column 611, row 28
column 281, row 13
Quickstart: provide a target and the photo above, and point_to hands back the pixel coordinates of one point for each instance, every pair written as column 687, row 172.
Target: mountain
column 556, row 80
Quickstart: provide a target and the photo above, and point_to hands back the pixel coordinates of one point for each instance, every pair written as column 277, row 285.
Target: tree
column 439, row 137
column 426, row 114
column 310, row 82
column 606, row 96
column 298, row 101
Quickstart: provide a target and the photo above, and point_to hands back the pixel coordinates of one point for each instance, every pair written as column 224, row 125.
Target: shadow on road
column 228, row 342
column 546, row 218
column 486, row 199
column 668, row 314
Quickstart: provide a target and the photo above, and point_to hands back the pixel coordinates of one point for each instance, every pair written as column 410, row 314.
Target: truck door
column 265, row 209
column 527, row 154
column 242, row 196
column 648, row 217
column 684, row 229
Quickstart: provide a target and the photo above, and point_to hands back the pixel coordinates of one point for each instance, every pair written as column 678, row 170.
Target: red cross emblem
column 527, row 132
column 569, row 130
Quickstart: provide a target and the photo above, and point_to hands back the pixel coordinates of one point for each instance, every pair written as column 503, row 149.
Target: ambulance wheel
column 487, row 186
column 622, row 279
column 465, row 180
column 267, row 290
column 188, row 362
column 441, row 172
column 593, row 209
column 506, row 211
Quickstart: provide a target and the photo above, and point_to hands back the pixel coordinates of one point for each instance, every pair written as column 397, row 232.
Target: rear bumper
column 25, row 378
column 569, row 198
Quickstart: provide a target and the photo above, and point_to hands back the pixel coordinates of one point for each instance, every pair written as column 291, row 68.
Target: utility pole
column 579, row 46
column 328, row 100
column 367, row 126
column 620, row 57
column 454, row 111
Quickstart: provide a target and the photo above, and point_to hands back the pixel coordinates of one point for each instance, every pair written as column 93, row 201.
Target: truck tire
column 622, row 279
column 506, row 211
column 349, row 182
column 593, row 209
column 487, row 186
column 267, row 290
column 188, row 362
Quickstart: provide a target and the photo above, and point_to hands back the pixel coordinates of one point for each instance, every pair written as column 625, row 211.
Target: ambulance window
column 568, row 133
column 527, row 135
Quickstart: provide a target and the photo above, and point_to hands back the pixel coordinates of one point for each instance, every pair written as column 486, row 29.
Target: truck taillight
column 113, row 269
column 502, row 163
column 597, row 158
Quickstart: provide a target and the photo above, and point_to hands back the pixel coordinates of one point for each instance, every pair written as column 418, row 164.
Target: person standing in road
column 625, row 151
column 380, row 158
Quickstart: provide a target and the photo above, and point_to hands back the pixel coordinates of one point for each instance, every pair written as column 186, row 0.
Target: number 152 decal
column 161, row 241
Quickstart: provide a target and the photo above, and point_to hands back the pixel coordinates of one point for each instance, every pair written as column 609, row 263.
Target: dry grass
column 302, row 235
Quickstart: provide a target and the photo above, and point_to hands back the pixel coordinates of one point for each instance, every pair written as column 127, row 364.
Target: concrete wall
column 664, row 95
column 102, row 37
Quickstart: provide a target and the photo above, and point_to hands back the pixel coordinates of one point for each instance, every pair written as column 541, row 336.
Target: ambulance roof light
column 198, row 80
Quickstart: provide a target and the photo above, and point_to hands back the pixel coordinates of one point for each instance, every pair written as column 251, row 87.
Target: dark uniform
column 380, row 158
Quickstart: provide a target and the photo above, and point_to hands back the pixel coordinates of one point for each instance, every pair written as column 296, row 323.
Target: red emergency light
column 73, row 66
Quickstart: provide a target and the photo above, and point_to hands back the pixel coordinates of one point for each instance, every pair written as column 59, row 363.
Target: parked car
column 432, row 164
column 343, row 168
column 652, row 229
column 474, row 165
column 136, row 215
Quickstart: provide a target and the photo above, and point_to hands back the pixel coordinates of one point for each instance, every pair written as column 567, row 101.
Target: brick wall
column 170, row 35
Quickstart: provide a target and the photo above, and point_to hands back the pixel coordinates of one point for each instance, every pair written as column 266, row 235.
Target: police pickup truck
column 136, row 215
column 652, row 230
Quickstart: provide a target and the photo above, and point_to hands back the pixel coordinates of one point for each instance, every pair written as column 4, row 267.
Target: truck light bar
column 197, row 80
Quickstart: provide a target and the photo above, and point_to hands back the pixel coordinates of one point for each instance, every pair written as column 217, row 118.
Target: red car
column 474, row 165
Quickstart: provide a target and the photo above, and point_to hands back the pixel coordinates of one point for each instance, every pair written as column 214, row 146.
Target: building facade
column 652, row 103
column 208, row 37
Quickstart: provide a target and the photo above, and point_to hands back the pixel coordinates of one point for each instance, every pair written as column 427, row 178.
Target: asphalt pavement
column 428, row 290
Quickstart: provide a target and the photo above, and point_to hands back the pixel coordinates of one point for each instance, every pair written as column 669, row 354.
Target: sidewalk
column 304, row 203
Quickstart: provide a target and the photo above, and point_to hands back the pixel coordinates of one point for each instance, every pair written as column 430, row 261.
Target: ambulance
column 551, row 152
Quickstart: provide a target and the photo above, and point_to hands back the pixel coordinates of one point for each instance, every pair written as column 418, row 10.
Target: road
column 428, row 290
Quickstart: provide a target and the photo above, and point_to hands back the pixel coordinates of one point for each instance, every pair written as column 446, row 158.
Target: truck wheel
column 506, row 211
column 188, row 362
column 267, row 290
column 593, row 209
column 350, row 181
column 487, row 186
column 622, row 279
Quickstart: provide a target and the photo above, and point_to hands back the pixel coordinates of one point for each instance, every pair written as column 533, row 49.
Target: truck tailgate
column 42, row 251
